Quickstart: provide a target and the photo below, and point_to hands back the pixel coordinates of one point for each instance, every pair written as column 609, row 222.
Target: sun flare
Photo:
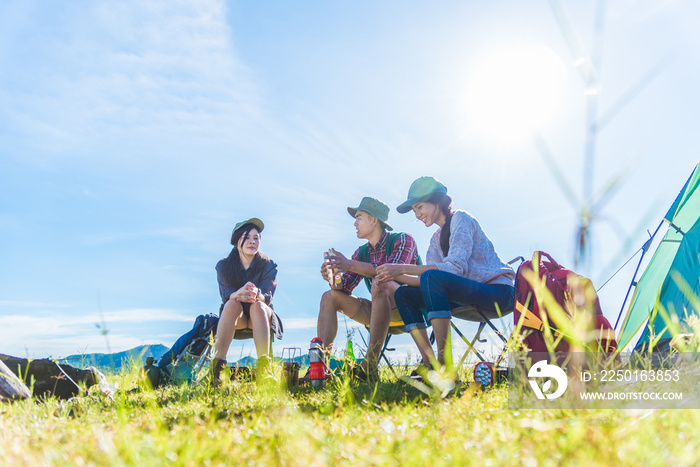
column 515, row 91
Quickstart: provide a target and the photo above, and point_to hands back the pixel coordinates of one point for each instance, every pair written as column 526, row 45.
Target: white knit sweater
column 471, row 254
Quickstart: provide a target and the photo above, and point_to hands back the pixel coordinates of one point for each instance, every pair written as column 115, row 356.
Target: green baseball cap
column 420, row 190
column 253, row 220
column 374, row 207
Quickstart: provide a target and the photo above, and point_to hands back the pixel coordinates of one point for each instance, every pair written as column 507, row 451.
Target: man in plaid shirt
column 379, row 313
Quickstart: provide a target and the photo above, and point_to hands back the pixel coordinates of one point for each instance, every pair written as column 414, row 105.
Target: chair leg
column 382, row 354
column 470, row 345
column 206, row 356
column 495, row 329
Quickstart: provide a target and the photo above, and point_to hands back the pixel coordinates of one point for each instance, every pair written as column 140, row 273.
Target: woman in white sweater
column 462, row 268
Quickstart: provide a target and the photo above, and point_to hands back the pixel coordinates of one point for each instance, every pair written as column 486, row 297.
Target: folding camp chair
column 395, row 328
column 467, row 313
column 240, row 334
column 475, row 314
column 483, row 317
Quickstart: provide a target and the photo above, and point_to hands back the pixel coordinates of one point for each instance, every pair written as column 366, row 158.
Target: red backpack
column 572, row 292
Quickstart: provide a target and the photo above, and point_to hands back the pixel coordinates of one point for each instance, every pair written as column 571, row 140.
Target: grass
column 348, row 423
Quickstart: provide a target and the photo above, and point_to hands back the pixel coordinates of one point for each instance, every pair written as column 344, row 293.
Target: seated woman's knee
column 260, row 308
column 233, row 307
column 430, row 276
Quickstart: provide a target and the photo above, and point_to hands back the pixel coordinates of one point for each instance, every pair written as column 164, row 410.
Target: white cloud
column 128, row 71
column 299, row 324
column 44, row 334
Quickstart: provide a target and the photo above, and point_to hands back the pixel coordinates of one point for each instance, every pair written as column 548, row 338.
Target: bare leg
column 260, row 315
column 226, row 328
column 420, row 337
column 441, row 328
column 332, row 302
column 379, row 320
column 327, row 324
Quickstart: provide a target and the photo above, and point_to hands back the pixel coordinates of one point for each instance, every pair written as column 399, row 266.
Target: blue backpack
column 179, row 364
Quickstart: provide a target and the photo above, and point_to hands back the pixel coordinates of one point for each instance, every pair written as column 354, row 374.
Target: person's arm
column 404, row 252
column 392, row 272
column 461, row 245
column 409, row 273
column 343, row 264
column 268, row 283
column 247, row 293
column 226, row 290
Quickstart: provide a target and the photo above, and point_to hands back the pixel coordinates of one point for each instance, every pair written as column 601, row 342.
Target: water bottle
column 349, row 353
column 317, row 372
column 334, row 279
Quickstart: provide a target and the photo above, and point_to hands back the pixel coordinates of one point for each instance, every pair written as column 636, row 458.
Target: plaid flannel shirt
column 404, row 252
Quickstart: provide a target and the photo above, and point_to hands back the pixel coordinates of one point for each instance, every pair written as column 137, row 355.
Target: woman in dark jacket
column 247, row 282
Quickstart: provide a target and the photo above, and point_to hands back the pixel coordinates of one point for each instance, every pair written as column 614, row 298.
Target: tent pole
column 645, row 247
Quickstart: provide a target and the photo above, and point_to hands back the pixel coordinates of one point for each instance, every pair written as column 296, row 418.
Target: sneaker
column 418, row 372
column 217, row 366
column 265, row 371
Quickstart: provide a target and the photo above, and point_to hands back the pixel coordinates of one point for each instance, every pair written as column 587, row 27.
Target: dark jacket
column 262, row 272
column 232, row 276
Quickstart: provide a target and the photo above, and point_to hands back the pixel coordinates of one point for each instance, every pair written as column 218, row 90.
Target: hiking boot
column 241, row 373
column 362, row 374
column 217, row 364
column 264, row 371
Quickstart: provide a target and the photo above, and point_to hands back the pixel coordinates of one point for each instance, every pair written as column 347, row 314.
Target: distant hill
column 116, row 360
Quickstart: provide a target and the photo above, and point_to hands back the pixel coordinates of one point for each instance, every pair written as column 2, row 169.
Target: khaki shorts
column 364, row 312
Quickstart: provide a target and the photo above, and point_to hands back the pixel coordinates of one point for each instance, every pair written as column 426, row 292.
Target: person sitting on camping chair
column 247, row 282
column 382, row 247
column 462, row 268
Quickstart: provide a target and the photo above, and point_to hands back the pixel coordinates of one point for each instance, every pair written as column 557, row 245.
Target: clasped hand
column 248, row 293
column 388, row 272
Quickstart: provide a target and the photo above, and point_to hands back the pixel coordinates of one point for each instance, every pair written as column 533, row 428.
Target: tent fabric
column 678, row 251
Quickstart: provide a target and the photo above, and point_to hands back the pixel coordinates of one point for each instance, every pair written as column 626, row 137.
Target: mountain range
column 118, row 360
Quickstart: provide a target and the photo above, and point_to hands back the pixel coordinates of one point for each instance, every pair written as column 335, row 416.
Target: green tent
column 660, row 291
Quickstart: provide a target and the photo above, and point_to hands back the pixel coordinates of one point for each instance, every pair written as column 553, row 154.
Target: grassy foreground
column 348, row 423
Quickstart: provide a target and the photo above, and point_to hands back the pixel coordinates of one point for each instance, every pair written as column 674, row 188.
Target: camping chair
column 483, row 317
column 395, row 328
column 467, row 313
column 240, row 334
column 475, row 314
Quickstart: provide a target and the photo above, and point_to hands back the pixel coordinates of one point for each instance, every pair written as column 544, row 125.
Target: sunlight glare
column 515, row 91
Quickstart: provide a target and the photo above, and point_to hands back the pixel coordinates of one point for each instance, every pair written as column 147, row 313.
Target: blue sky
column 134, row 135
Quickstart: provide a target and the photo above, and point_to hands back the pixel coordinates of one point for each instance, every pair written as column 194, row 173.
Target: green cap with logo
column 420, row 191
column 374, row 207
column 253, row 220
